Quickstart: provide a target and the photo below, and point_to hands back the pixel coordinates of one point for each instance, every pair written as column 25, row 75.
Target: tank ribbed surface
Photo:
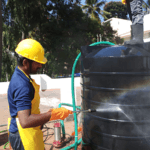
column 118, row 84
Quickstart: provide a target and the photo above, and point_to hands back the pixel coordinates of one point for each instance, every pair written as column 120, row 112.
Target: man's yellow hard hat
column 31, row 49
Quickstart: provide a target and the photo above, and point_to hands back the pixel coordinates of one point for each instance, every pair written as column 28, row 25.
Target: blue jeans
column 15, row 141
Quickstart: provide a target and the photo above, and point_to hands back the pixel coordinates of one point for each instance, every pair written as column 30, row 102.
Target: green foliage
column 27, row 14
column 110, row 35
column 146, row 6
column 8, row 66
column 92, row 8
column 8, row 61
column 116, row 9
column 63, row 35
column 0, row 39
column 60, row 26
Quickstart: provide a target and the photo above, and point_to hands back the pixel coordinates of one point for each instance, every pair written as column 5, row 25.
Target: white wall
column 43, row 80
column 4, row 87
column 122, row 26
column 147, row 22
column 46, row 82
column 66, row 93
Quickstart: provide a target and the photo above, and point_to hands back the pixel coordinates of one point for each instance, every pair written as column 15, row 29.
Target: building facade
column 123, row 27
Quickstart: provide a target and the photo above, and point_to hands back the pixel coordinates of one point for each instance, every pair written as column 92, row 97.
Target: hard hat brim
column 44, row 61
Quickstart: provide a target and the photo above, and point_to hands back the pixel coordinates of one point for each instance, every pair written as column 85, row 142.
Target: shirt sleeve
column 23, row 98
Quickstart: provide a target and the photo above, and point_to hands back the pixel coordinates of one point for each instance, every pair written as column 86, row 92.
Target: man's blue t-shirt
column 20, row 95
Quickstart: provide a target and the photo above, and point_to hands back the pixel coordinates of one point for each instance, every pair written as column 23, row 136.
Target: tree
column 61, row 32
column 92, row 8
column 20, row 19
column 8, row 61
column 0, row 39
column 146, row 7
column 9, row 35
column 27, row 14
column 110, row 35
column 66, row 31
column 116, row 9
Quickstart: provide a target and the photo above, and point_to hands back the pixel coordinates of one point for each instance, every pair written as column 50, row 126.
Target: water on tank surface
column 108, row 108
column 117, row 85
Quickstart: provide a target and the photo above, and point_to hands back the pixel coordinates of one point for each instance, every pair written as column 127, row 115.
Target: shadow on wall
column 43, row 84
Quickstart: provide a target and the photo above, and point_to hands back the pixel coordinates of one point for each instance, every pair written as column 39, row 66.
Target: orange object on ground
column 79, row 130
column 60, row 113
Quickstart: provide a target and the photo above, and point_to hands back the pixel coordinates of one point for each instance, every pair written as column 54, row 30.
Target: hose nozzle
column 88, row 110
column 92, row 110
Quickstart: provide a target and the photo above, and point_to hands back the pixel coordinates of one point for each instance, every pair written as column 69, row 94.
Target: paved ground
column 4, row 114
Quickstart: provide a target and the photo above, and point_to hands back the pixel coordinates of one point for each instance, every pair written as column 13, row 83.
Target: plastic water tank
column 116, row 81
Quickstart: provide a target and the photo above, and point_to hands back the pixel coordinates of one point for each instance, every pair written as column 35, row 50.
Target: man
column 24, row 99
column 136, row 16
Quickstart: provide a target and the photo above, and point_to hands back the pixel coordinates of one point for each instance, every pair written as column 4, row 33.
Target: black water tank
column 116, row 80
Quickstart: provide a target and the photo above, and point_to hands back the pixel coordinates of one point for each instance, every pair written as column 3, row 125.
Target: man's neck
column 24, row 70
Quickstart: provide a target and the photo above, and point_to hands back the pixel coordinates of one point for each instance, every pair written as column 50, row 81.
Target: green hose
column 5, row 145
column 61, row 121
column 102, row 42
column 72, row 89
column 73, row 100
column 3, row 131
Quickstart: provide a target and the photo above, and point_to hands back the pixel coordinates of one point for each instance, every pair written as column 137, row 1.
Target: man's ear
column 25, row 63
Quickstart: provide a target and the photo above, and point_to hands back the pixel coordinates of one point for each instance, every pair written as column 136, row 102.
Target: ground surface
column 4, row 115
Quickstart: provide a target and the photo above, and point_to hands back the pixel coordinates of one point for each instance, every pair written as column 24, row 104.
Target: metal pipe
column 89, row 110
column 57, row 131
column 3, row 125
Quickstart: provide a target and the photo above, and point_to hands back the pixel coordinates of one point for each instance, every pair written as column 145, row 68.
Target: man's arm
column 28, row 120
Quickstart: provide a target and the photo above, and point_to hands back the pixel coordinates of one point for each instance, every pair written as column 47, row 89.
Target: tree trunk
column 22, row 35
column 0, row 39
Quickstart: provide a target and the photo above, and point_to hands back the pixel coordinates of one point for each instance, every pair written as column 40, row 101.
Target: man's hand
column 59, row 113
